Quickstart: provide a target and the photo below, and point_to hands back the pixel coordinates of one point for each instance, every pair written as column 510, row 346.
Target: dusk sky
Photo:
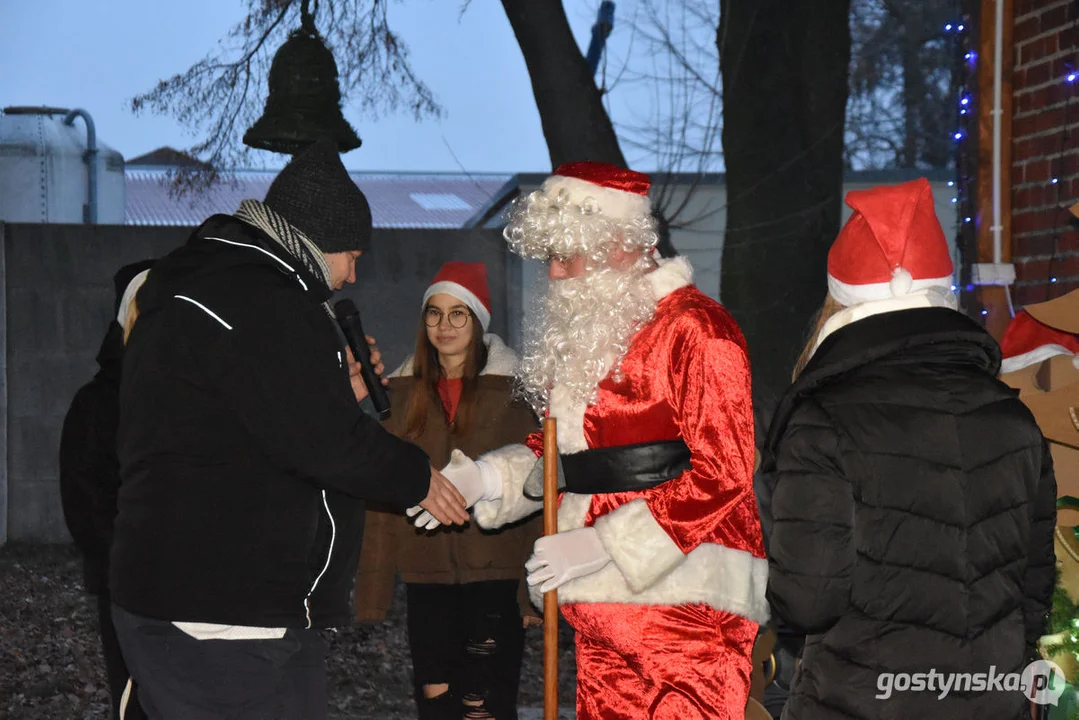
column 72, row 53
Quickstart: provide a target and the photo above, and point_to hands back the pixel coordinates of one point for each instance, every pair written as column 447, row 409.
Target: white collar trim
column 672, row 274
column 930, row 297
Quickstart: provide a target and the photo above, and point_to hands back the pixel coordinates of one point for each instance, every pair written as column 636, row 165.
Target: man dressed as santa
column 659, row 561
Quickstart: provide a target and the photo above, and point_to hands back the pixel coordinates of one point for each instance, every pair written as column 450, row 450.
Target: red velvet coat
column 696, row 538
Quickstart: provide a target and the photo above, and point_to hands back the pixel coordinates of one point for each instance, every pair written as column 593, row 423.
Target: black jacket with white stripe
column 245, row 459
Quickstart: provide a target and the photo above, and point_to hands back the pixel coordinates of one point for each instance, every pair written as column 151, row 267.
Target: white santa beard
column 581, row 332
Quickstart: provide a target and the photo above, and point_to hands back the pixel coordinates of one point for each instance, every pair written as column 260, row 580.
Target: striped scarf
column 294, row 242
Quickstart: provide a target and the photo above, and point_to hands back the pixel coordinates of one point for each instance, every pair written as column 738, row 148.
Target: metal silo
column 53, row 169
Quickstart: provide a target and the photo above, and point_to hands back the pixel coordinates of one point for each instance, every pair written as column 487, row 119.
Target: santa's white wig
column 581, row 329
column 585, row 208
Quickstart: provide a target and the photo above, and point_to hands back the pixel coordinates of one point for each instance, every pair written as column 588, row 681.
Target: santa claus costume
column 658, row 524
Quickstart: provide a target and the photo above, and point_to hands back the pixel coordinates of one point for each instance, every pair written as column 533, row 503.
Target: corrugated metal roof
column 401, row 200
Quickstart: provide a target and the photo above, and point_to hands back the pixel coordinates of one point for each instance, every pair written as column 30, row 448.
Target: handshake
column 556, row 559
column 454, row 489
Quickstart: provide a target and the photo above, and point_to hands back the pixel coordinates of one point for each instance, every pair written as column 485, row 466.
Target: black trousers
column 471, row 637
column 115, row 668
column 181, row 678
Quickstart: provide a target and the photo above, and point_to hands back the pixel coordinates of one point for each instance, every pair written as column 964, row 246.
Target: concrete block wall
column 57, row 294
column 58, row 299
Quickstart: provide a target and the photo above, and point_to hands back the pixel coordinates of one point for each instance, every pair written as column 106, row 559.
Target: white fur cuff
column 640, row 548
column 512, row 464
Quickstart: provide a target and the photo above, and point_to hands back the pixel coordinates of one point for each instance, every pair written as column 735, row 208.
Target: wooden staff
column 550, row 599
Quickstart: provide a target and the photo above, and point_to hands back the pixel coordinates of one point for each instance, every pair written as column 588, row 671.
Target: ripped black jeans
column 469, row 637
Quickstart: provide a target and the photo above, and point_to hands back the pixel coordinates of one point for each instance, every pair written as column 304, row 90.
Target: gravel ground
column 51, row 666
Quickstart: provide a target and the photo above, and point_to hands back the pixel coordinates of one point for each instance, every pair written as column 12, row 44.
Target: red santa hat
column 893, row 245
column 617, row 193
column 468, row 283
column 1042, row 331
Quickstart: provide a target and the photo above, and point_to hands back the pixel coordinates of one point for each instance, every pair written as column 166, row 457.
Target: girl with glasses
column 463, row 589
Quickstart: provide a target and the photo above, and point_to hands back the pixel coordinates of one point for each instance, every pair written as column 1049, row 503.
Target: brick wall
column 1045, row 146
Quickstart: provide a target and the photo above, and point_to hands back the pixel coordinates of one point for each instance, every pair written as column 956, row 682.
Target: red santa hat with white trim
column 1041, row 331
column 617, row 192
column 892, row 246
column 468, row 283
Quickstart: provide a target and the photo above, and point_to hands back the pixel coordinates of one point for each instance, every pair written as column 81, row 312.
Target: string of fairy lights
column 1063, row 169
column 964, row 78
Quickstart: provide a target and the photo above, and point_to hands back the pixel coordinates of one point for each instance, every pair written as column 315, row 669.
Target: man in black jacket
column 245, row 459
column 90, row 479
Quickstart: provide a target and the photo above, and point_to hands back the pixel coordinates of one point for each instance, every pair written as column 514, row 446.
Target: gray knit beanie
column 316, row 195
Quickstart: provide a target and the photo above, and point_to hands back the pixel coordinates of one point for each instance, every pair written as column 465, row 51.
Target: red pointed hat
column 617, row 192
column 468, row 283
column 1042, row 331
column 891, row 246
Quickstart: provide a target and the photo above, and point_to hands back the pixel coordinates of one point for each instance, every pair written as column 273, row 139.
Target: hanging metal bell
column 304, row 104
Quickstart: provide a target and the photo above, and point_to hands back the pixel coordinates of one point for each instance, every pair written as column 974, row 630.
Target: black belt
column 625, row 468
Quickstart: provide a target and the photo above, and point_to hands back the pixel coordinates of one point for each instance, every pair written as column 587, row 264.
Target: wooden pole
column 550, row 599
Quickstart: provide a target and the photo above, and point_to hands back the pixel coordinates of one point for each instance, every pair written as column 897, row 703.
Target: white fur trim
column 638, row 545
column 729, row 580
column 463, row 294
column 570, row 417
column 572, row 511
column 850, row 295
column 929, row 297
column 501, row 359
column 513, row 464
column 129, row 295
column 672, row 274
column 612, row 203
column 1033, row 357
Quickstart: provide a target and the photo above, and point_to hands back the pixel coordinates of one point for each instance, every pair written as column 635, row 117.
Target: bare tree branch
column 215, row 97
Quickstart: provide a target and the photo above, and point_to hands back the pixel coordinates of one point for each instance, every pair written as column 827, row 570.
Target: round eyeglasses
column 458, row 318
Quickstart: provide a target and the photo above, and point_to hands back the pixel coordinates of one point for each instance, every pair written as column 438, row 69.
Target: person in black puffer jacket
column 245, row 459
column 912, row 493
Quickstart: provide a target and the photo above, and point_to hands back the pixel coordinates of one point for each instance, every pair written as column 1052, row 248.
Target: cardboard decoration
column 1050, row 388
column 1060, row 313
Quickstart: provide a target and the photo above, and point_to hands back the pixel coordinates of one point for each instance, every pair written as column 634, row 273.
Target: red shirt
column 449, row 389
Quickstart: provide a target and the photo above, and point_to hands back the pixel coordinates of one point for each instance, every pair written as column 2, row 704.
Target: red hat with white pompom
column 892, row 246
column 617, row 193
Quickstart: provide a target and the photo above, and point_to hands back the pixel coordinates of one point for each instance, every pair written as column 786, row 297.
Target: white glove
column 475, row 479
column 566, row 556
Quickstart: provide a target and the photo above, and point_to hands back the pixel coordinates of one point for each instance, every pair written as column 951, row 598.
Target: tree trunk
column 913, row 100
column 575, row 123
column 784, row 67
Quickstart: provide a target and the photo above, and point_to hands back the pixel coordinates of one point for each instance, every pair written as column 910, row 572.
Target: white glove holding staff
column 475, row 479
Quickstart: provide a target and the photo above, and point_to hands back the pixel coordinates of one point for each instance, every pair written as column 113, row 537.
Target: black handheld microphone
column 348, row 317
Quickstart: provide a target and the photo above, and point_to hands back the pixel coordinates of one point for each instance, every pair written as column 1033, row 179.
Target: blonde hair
column 128, row 311
column 828, row 308
column 129, row 320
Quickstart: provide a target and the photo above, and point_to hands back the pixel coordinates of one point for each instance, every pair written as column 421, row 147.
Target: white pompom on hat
column 893, row 245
